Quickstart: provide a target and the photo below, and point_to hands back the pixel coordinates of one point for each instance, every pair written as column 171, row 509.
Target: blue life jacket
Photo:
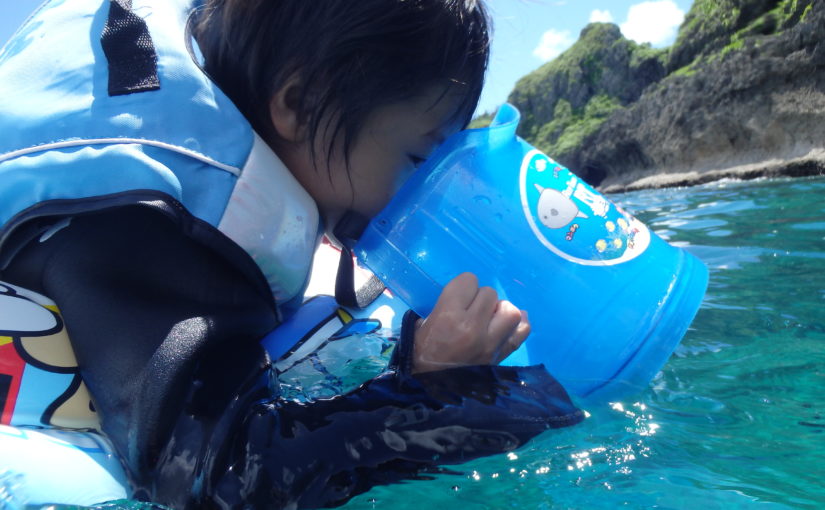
column 81, row 130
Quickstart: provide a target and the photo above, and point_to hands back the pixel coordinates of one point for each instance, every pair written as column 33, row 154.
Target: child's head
column 316, row 73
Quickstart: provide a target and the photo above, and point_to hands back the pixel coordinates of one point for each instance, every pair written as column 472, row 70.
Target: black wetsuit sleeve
column 166, row 330
column 392, row 428
column 146, row 294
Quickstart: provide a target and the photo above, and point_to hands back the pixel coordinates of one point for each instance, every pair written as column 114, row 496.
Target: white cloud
column 655, row 22
column 553, row 43
column 598, row 16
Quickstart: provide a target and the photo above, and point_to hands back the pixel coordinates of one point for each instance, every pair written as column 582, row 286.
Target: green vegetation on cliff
column 568, row 99
column 570, row 127
column 713, row 28
column 481, row 121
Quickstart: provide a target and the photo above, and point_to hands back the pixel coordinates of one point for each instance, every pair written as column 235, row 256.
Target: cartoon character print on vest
column 335, row 352
column 39, row 380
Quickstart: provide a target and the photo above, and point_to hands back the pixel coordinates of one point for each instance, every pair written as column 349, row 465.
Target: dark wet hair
column 351, row 56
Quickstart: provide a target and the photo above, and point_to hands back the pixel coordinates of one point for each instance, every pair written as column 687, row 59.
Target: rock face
column 566, row 100
column 601, row 63
column 710, row 25
column 751, row 102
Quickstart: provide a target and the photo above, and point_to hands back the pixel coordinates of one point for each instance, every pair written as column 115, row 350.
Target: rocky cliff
column 740, row 94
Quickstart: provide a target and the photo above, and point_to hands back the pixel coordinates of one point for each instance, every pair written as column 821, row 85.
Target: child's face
column 392, row 142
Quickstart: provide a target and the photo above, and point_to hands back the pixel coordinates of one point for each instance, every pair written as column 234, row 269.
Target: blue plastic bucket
column 608, row 300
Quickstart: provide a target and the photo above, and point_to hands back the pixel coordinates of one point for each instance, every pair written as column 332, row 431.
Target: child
column 174, row 228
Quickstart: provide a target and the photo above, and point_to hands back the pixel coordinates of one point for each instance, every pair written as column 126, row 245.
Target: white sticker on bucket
column 574, row 221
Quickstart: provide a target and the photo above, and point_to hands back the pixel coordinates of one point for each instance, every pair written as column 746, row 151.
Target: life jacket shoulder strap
column 130, row 51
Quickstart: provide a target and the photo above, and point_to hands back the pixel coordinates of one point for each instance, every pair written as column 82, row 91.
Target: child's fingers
column 515, row 340
column 460, row 292
column 504, row 321
column 484, row 305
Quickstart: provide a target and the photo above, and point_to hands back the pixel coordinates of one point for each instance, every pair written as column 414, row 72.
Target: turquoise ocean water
column 736, row 419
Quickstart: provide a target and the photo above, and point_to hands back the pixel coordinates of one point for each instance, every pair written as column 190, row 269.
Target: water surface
column 736, row 419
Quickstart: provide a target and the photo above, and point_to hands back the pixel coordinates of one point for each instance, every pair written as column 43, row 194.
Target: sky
column 527, row 33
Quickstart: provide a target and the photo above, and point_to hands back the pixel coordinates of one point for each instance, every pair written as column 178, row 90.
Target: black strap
column 347, row 232
column 129, row 50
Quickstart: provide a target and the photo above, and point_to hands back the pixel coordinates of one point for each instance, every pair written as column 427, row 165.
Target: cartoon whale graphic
column 556, row 209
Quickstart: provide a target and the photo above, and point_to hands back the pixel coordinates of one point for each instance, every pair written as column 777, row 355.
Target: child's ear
column 283, row 110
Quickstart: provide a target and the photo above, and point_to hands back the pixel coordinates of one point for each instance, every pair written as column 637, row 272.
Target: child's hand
column 468, row 326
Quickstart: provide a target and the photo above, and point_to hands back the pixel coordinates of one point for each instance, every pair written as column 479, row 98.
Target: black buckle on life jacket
column 347, row 232
column 129, row 50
